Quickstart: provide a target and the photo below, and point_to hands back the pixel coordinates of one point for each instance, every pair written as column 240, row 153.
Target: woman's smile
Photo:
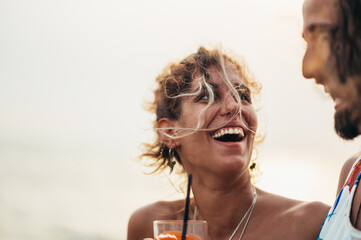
column 229, row 134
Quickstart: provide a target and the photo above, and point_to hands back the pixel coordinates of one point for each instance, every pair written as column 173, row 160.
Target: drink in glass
column 172, row 230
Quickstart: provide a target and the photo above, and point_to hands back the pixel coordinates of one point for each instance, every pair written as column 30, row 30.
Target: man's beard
column 347, row 122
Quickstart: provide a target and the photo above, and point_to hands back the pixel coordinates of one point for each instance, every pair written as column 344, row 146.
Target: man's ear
column 166, row 130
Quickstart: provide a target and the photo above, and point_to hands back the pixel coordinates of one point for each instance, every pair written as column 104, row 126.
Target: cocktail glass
column 172, row 230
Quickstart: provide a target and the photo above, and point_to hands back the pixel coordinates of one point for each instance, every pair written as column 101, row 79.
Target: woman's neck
column 222, row 205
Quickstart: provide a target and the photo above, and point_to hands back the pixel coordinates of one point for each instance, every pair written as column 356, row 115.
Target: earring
column 253, row 165
column 162, row 146
column 171, row 162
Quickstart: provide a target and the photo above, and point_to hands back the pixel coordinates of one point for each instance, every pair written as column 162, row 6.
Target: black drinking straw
column 185, row 219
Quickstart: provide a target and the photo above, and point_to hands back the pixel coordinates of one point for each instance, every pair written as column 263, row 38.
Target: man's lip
column 326, row 88
column 338, row 103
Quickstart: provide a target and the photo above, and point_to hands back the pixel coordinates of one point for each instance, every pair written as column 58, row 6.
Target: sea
column 63, row 193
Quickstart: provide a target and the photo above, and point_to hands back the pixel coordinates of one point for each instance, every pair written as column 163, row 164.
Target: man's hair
column 347, row 39
column 346, row 47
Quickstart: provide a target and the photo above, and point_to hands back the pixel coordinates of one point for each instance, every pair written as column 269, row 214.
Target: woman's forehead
column 216, row 76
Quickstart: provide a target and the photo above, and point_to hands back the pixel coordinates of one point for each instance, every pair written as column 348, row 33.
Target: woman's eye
column 245, row 96
column 203, row 97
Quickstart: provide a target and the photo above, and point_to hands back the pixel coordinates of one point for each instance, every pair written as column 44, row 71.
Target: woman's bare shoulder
column 140, row 223
column 311, row 210
column 301, row 218
column 309, row 217
column 299, row 209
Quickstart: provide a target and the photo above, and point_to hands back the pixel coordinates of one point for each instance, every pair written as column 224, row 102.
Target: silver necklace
column 247, row 214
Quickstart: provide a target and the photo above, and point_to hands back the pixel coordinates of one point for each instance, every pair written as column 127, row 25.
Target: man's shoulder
column 356, row 198
column 346, row 168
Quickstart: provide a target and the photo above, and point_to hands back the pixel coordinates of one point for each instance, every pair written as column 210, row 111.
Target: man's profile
column 332, row 31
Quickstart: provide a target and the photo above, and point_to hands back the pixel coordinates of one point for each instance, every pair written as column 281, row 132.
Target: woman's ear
column 166, row 130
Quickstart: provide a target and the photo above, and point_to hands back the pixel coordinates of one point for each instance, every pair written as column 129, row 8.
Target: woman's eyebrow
column 216, row 86
column 240, row 85
column 213, row 85
column 203, row 86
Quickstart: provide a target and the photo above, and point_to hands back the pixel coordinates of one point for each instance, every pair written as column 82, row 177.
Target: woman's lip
column 230, row 144
column 231, row 125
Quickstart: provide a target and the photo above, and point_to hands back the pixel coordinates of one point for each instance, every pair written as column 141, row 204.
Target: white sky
column 74, row 75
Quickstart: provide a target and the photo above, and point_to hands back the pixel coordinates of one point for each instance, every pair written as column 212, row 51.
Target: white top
column 337, row 224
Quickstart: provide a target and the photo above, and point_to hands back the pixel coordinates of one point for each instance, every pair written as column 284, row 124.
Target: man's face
column 319, row 62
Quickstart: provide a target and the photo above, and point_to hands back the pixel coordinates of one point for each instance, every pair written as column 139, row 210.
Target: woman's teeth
column 234, row 131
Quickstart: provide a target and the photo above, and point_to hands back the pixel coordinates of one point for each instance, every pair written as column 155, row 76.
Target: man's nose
column 307, row 66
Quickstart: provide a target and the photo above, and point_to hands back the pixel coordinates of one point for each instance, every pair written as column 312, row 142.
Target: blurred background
column 74, row 75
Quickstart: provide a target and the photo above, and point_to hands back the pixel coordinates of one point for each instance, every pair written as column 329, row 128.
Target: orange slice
column 174, row 236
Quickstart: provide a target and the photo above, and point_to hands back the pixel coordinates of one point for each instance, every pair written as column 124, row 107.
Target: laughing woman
column 206, row 121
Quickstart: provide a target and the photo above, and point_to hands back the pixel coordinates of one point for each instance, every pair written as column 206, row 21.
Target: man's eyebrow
column 318, row 27
column 321, row 27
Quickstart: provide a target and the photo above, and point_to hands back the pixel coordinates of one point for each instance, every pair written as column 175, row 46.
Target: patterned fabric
column 337, row 224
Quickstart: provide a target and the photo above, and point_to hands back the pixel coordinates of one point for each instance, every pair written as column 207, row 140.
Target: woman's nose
column 230, row 105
